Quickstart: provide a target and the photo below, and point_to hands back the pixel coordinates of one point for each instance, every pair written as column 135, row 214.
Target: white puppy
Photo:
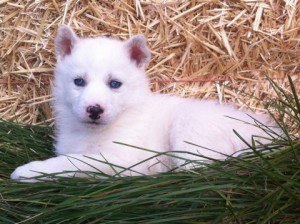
column 101, row 96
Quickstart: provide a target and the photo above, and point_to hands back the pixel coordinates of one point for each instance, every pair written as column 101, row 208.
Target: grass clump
column 259, row 187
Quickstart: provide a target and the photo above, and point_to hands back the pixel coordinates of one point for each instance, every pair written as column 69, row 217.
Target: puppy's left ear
column 65, row 41
column 138, row 50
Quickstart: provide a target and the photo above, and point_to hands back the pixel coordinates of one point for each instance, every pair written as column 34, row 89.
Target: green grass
column 259, row 187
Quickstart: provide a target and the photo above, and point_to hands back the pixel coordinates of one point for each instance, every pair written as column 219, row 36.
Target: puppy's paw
column 28, row 172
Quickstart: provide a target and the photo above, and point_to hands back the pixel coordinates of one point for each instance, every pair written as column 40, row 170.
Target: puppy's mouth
column 93, row 122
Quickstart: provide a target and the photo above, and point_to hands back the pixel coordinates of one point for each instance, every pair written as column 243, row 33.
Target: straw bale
column 201, row 49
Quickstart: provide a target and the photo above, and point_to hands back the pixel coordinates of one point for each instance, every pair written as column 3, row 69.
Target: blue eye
column 79, row 82
column 114, row 84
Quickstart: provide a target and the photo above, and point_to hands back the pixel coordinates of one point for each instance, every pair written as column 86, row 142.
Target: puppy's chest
column 111, row 139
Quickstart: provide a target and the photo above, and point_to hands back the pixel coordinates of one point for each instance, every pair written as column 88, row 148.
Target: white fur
column 132, row 115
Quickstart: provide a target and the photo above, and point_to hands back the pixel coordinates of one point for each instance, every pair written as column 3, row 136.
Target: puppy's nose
column 94, row 111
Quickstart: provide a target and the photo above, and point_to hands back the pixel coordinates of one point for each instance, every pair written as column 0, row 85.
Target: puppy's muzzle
column 94, row 111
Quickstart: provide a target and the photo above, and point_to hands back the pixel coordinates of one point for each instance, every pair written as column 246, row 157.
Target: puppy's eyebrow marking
column 112, row 76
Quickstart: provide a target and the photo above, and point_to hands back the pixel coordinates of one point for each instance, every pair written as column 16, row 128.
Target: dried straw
column 197, row 47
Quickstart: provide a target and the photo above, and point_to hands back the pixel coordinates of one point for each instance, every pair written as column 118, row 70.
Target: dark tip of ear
column 138, row 50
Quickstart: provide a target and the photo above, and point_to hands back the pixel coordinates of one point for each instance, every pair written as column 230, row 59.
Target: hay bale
column 197, row 46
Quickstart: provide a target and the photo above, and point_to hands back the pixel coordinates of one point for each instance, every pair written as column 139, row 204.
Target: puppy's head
column 98, row 78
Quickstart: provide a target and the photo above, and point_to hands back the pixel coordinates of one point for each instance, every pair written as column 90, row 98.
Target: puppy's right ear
column 64, row 42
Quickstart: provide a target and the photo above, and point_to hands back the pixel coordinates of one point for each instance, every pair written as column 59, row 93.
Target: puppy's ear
column 65, row 41
column 138, row 50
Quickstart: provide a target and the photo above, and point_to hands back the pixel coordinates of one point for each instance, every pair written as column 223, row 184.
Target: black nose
column 94, row 111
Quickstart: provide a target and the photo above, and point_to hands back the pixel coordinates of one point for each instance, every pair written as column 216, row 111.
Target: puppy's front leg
column 73, row 165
